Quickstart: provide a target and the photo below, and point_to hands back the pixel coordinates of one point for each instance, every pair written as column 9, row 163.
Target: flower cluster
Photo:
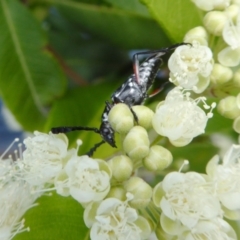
column 118, row 202
column 222, row 23
column 46, row 165
column 16, row 196
column 192, row 204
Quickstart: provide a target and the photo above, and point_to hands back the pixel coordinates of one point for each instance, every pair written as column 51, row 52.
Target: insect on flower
column 132, row 92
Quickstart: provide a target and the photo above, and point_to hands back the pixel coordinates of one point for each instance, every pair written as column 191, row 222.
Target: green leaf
column 197, row 153
column 55, row 217
column 218, row 123
column 83, row 107
column 175, row 17
column 127, row 29
column 130, row 5
column 29, row 77
column 89, row 57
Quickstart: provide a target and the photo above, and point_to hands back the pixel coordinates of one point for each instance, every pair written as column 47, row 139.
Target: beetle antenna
column 70, row 129
column 93, row 149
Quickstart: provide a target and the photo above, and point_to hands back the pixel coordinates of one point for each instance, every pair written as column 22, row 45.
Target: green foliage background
column 61, row 59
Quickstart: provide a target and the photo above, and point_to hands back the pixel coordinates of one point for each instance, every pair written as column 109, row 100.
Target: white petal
column 229, row 57
column 170, row 226
column 180, row 142
column 231, row 200
column 212, row 165
column 232, row 155
column 171, row 179
column 167, row 209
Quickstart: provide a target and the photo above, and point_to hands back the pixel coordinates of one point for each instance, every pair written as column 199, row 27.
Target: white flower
column 180, row 118
column 186, row 199
column 226, row 177
column 230, row 56
column 115, row 219
column 211, row 230
column 190, row 66
column 89, row 179
column 43, row 158
column 15, row 199
column 9, row 169
column 208, row 5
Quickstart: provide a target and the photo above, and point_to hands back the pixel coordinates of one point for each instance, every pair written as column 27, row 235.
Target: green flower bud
column 238, row 100
column 232, row 12
column 197, row 34
column 236, row 78
column 214, row 22
column 136, row 143
column 142, row 192
column 121, row 118
column 117, row 192
column 144, row 115
column 236, row 125
column 121, row 167
column 158, row 194
column 228, row 107
column 158, row 158
column 221, row 74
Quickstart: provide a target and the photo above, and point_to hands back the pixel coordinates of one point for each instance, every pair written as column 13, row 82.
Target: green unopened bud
column 221, row 74
column 121, row 118
column 236, row 125
column 214, row 22
column 136, row 143
column 117, row 192
column 142, row 192
column 228, row 107
column 236, row 78
column 121, row 167
column 197, row 34
column 232, row 12
column 158, row 158
column 238, row 101
column 144, row 115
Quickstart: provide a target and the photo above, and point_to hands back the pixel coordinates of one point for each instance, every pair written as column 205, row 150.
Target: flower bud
column 121, row 167
column 238, row 101
column 208, row 5
column 136, row 143
column 228, row 107
column 117, row 192
column 221, row 74
column 142, row 192
column 121, row 118
column 214, row 22
column 232, row 11
column 158, row 158
column 197, row 34
column 236, row 125
column 144, row 115
column 236, row 78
